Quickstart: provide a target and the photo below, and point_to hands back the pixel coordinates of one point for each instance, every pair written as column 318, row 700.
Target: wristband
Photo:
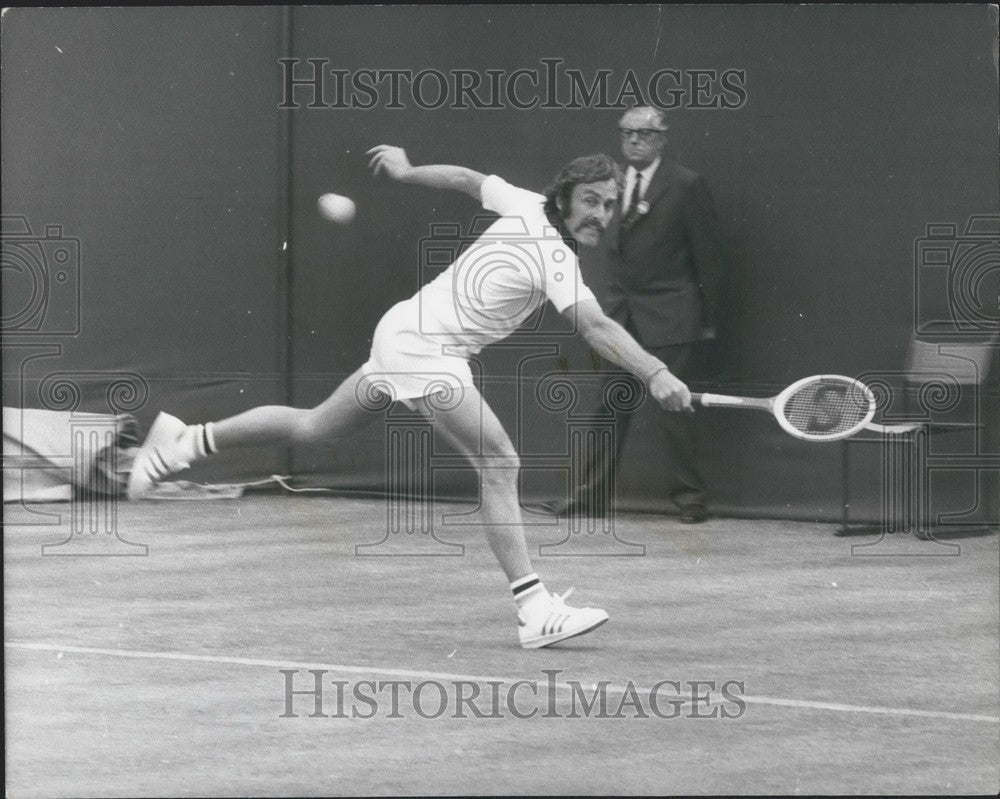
column 654, row 374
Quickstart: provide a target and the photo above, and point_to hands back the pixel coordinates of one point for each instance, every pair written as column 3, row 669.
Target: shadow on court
column 873, row 673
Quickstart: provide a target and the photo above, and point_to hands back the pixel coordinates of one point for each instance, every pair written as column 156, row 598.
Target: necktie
column 636, row 189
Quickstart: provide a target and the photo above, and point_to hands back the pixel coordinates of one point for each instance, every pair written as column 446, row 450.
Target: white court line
column 805, row 704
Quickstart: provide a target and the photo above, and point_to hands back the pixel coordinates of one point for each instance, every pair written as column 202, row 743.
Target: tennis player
column 421, row 350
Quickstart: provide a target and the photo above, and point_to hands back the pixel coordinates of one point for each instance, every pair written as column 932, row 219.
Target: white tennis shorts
column 406, row 364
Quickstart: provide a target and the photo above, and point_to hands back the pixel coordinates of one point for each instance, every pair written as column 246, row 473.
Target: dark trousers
column 672, row 431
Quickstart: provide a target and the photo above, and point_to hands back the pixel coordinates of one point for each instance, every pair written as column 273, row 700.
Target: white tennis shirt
column 499, row 280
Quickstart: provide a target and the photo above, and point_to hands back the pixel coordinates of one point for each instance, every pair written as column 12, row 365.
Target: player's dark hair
column 586, row 169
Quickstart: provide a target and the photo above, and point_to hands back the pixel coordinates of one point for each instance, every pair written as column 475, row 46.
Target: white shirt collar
column 647, row 176
column 646, row 173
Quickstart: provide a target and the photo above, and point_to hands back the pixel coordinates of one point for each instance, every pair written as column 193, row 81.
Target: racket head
column 824, row 407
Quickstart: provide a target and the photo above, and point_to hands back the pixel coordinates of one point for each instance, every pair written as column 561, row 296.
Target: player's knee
column 501, row 473
column 308, row 426
column 495, row 483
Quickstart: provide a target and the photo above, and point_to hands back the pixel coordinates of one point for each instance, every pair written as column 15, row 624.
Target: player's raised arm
column 393, row 161
column 611, row 341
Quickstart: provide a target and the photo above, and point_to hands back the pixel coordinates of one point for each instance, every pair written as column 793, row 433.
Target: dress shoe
column 695, row 513
column 563, row 507
column 553, row 506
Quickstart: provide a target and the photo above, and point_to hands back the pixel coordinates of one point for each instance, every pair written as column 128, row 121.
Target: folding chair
column 942, row 393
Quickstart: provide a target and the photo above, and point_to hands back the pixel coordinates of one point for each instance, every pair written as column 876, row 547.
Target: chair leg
column 845, row 490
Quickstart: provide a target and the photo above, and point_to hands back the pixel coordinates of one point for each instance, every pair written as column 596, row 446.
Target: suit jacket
column 663, row 267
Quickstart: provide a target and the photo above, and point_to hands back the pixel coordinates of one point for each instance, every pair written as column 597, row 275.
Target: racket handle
column 718, row 400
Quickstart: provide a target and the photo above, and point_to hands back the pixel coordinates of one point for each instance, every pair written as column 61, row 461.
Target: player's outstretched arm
column 611, row 341
column 393, row 161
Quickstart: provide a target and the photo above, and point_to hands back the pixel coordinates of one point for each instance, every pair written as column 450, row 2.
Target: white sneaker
column 158, row 457
column 555, row 621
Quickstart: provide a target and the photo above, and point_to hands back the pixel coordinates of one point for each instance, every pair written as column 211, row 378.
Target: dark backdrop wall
column 151, row 137
column 156, row 138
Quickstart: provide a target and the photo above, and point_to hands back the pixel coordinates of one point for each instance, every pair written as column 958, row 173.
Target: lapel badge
column 642, row 208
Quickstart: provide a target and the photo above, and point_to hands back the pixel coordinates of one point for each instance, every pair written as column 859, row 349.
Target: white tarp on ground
column 48, row 454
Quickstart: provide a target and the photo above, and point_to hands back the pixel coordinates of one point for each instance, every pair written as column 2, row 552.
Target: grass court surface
column 872, row 670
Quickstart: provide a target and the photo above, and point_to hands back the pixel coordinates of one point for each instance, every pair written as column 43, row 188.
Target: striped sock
column 208, row 434
column 527, row 590
column 204, row 439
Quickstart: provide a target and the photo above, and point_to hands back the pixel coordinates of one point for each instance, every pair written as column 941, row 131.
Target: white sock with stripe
column 528, row 592
column 206, row 440
column 197, row 442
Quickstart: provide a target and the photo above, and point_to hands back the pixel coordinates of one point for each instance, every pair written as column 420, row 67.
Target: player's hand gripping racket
column 817, row 408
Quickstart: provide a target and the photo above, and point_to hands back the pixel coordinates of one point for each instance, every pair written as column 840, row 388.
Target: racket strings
column 828, row 407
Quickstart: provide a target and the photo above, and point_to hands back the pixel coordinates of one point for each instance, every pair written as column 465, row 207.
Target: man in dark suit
column 660, row 280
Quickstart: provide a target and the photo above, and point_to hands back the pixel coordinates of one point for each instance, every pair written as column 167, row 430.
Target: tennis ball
column 337, row 208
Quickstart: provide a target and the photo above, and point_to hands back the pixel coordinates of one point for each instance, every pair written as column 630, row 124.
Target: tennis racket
column 817, row 408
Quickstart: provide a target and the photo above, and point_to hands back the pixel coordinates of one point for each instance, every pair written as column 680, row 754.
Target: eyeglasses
column 644, row 134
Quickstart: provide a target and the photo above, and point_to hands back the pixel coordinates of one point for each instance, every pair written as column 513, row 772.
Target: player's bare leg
column 173, row 446
column 342, row 414
column 474, row 430
column 471, row 427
